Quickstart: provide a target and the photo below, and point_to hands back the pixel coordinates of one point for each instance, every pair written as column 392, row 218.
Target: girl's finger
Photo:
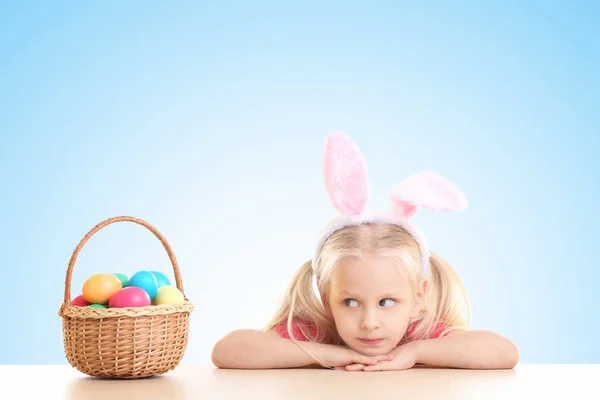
column 382, row 366
column 355, row 367
column 379, row 367
column 373, row 360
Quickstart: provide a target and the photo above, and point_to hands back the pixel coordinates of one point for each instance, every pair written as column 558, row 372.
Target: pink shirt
column 281, row 329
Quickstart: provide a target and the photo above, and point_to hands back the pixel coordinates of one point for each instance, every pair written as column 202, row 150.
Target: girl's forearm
column 469, row 350
column 252, row 349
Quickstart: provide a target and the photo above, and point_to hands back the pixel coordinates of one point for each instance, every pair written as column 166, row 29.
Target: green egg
column 123, row 278
column 97, row 306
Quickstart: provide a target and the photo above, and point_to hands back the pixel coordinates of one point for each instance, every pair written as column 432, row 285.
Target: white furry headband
column 347, row 185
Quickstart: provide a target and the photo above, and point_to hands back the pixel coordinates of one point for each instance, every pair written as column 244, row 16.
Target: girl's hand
column 340, row 356
column 401, row 358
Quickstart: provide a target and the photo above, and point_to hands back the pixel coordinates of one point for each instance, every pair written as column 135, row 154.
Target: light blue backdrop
column 209, row 123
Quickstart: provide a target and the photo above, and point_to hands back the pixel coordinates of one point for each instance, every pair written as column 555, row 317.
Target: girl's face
column 371, row 303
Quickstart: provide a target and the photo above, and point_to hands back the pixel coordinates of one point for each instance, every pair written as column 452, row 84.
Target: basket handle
column 109, row 221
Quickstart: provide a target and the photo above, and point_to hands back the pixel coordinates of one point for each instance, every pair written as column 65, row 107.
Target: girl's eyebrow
column 348, row 293
column 345, row 292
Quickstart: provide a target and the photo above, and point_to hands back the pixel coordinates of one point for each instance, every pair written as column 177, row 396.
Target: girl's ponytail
column 301, row 307
column 448, row 296
column 446, row 301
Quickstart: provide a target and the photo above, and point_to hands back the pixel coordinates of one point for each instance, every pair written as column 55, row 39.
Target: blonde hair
column 446, row 299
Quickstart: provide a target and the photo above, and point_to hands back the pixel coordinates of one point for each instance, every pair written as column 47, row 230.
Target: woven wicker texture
column 125, row 343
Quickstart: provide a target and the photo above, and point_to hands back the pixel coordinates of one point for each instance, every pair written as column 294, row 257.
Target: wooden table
column 202, row 382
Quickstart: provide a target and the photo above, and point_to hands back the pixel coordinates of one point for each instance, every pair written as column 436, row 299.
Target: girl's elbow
column 506, row 353
column 514, row 356
column 511, row 355
column 221, row 352
column 217, row 356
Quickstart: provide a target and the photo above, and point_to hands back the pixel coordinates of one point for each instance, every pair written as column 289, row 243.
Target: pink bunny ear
column 345, row 174
column 429, row 190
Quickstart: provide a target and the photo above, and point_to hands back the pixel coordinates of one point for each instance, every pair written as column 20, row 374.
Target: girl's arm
column 471, row 350
column 468, row 350
column 252, row 349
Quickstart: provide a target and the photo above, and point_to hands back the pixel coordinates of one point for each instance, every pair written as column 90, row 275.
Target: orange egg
column 99, row 288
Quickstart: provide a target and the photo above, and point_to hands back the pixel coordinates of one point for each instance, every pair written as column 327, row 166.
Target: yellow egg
column 168, row 295
column 99, row 288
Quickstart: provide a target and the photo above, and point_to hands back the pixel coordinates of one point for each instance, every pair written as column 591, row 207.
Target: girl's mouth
column 371, row 342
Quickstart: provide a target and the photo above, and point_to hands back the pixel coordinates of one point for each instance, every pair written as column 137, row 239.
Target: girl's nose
column 370, row 321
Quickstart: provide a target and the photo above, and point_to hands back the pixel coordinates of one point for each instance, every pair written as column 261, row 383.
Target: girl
column 382, row 300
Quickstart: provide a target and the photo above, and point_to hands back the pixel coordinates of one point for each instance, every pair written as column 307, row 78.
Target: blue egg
column 161, row 278
column 145, row 280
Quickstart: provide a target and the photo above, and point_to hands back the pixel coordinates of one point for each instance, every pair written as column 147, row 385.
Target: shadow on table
column 159, row 387
column 423, row 382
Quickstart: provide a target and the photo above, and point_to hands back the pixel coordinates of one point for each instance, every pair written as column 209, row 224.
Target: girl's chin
column 372, row 349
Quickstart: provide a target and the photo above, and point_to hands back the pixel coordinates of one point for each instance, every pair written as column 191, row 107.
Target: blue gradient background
column 209, row 121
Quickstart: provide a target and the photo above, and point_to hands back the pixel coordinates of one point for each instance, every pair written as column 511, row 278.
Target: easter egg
column 123, row 278
column 80, row 301
column 97, row 306
column 131, row 296
column 98, row 288
column 161, row 278
column 145, row 280
column 168, row 295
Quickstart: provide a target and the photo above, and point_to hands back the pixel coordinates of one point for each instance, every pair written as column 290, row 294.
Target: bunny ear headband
column 347, row 185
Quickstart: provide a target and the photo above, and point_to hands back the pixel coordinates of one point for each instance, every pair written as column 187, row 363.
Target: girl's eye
column 350, row 302
column 387, row 303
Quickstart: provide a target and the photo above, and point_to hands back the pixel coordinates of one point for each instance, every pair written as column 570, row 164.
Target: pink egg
column 80, row 301
column 130, row 296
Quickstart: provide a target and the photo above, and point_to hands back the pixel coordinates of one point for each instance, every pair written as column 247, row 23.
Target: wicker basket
column 125, row 343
